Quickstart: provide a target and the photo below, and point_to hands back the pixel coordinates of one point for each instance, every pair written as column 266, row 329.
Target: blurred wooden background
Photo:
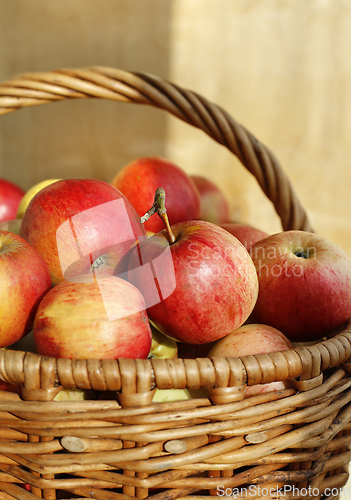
column 282, row 68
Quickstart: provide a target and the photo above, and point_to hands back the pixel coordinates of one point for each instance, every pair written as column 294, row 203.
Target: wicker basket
column 125, row 446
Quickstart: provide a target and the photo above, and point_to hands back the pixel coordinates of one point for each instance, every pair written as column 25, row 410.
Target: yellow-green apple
column 214, row 204
column 74, row 395
column 199, row 282
column 10, row 197
column 248, row 235
column 105, row 318
column 167, row 395
column 162, row 347
column 24, row 279
column 249, row 340
column 13, row 225
column 139, row 180
column 77, row 223
column 29, row 195
column 304, row 284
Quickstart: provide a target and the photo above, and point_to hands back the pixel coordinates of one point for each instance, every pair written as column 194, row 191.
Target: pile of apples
column 126, row 269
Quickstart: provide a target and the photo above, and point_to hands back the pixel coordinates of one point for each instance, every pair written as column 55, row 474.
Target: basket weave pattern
column 124, row 446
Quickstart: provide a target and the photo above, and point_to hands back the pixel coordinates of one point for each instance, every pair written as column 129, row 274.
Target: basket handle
column 39, row 372
column 32, row 89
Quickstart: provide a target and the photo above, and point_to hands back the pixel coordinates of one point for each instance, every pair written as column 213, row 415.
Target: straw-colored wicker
column 124, row 446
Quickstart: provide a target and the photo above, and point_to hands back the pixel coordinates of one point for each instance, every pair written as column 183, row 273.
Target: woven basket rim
column 300, row 363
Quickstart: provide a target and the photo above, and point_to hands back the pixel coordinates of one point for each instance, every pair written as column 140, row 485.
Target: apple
column 24, row 279
column 162, row 347
column 214, row 204
column 13, row 225
column 248, row 235
column 29, row 195
column 74, row 395
column 168, row 395
column 10, row 197
column 304, row 285
column 198, row 281
column 12, row 388
column 24, row 486
column 249, row 340
column 77, row 223
column 139, row 180
column 92, row 318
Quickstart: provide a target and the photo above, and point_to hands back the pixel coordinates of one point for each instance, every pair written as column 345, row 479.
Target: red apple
column 24, row 279
column 74, row 222
column 199, row 288
column 10, row 197
column 248, row 235
column 101, row 319
column 304, row 285
column 214, row 204
column 249, row 340
column 10, row 387
column 139, row 180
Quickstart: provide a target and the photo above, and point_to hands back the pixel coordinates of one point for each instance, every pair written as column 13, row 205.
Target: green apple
column 162, row 346
column 13, row 225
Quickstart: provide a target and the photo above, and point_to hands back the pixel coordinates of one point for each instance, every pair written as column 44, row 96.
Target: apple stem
column 159, row 208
